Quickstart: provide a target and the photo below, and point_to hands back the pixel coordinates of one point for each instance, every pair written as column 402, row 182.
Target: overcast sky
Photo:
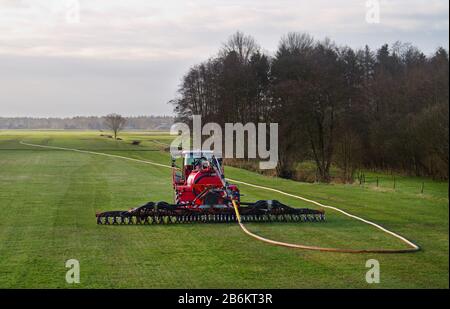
column 92, row 57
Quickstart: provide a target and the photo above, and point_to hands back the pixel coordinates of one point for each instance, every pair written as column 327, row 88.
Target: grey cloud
column 52, row 86
column 131, row 55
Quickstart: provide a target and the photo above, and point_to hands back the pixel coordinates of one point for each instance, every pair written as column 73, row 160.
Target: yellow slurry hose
column 314, row 248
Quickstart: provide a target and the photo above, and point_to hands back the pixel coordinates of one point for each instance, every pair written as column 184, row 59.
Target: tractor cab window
column 193, row 158
column 188, row 160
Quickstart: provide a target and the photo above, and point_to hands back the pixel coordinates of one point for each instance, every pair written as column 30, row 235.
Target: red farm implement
column 202, row 194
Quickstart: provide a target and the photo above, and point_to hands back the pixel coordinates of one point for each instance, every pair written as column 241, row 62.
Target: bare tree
column 115, row 123
column 295, row 43
column 243, row 45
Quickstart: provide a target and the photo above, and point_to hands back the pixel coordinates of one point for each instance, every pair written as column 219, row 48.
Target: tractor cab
column 200, row 160
column 205, row 161
column 200, row 179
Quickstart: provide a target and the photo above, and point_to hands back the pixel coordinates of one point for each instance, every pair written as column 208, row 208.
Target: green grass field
column 48, row 200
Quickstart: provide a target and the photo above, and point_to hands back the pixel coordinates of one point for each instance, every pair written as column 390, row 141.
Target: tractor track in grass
column 412, row 246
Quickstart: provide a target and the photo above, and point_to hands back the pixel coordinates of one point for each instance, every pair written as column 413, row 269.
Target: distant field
column 48, row 200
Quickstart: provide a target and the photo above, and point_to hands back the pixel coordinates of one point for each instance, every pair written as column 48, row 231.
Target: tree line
column 86, row 123
column 384, row 109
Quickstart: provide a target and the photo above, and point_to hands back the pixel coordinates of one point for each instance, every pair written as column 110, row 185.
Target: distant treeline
column 86, row 123
column 336, row 106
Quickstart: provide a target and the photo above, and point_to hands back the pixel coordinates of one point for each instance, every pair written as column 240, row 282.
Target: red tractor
column 202, row 194
column 200, row 183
